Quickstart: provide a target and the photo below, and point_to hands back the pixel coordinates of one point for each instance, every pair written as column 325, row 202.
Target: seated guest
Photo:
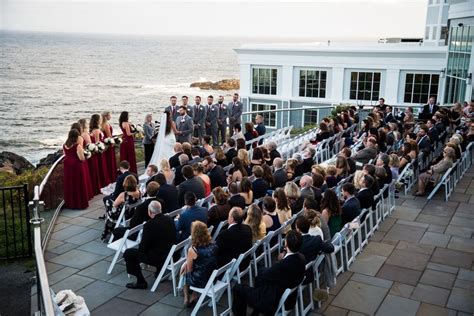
column 255, row 221
column 299, row 163
column 308, row 159
column 195, row 156
column 167, row 195
column 159, row 235
column 383, row 160
column 259, row 185
column 215, row 172
column 230, row 151
column 243, row 155
column 365, row 194
column 140, row 214
column 394, row 164
column 432, row 131
column 435, row 172
column 234, row 240
column 260, row 128
column 166, row 170
column 191, row 184
column 314, row 223
column 423, row 140
column 368, row 153
column 309, row 206
column 291, row 165
column 346, row 152
column 250, row 132
column 191, row 214
column 240, row 144
column 282, row 208
column 235, row 199
column 178, row 172
column 324, row 132
column 151, row 171
column 187, row 148
column 201, row 261
column 351, row 206
column 206, row 140
column 370, row 170
column 266, row 156
column 220, row 210
column 131, row 194
column 257, row 157
column 306, row 184
column 237, row 128
column 273, row 152
column 331, row 212
column 279, row 173
column 199, row 173
column 318, row 182
column 174, row 160
column 246, row 191
column 293, row 194
column 124, row 168
column 221, row 159
column 273, row 281
column 237, row 172
column 270, row 216
column 331, row 179
column 267, row 175
column 342, row 168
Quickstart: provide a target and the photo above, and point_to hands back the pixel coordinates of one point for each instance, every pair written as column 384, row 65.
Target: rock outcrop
column 49, row 159
column 13, row 163
column 226, row 84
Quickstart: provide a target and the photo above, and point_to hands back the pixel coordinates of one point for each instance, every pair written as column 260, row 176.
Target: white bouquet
column 118, row 140
column 109, row 141
column 92, row 148
column 133, row 128
column 87, row 154
column 101, row 147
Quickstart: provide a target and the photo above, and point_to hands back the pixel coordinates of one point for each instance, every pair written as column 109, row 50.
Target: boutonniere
column 224, row 107
column 182, row 119
column 201, row 108
column 212, row 109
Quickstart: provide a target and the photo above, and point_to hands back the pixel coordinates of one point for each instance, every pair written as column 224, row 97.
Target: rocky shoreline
column 15, row 164
column 226, row 84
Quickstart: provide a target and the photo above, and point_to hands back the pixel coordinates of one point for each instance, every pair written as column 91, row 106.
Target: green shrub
column 296, row 131
column 339, row 108
column 31, row 177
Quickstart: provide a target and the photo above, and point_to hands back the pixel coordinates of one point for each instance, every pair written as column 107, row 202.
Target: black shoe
column 102, row 217
column 136, row 285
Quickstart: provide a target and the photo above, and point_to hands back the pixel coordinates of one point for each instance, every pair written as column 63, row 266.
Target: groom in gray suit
column 184, row 125
column 235, row 111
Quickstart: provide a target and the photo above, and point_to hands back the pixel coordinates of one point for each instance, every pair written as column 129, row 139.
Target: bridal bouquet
column 92, row 148
column 100, row 147
column 109, row 141
column 87, row 154
column 118, row 140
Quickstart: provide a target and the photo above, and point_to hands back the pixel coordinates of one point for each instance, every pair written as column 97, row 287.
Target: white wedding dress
column 164, row 146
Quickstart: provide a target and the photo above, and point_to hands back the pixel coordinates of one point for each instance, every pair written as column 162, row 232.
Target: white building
column 281, row 76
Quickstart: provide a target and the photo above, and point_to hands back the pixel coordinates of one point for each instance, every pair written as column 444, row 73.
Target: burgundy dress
column 110, row 157
column 88, row 184
column 102, row 162
column 94, row 171
column 127, row 151
column 75, row 180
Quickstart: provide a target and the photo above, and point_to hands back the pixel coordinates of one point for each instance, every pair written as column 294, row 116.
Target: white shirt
column 289, row 253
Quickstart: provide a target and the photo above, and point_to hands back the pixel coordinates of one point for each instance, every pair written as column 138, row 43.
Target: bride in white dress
column 164, row 147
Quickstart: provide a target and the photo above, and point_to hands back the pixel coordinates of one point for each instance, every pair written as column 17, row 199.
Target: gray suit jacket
column 365, row 155
column 149, row 131
column 212, row 115
column 234, row 112
column 200, row 114
column 174, row 114
column 222, row 117
column 186, row 127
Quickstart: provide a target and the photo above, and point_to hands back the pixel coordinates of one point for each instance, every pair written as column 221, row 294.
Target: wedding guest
column 273, row 152
column 259, row 185
column 220, row 210
column 211, row 120
column 270, row 217
column 222, row 119
column 191, row 214
column 124, row 171
column 243, row 155
column 151, row 172
column 235, row 198
column 237, row 129
column 230, row 151
column 234, row 110
column 131, row 193
column 127, row 147
column 148, row 144
column 110, row 151
column 206, row 139
column 267, row 175
column 260, row 128
column 215, row 172
column 279, row 173
column 293, row 194
column 237, row 172
column 315, row 223
column 246, row 191
column 311, row 205
column 174, row 160
column 220, row 157
column 199, row 170
column 331, row 179
column 435, row 172
column 165, row 169
column 178, row 174
column 75, row 185
column 190, row 184
column 255, row 221
column 199, row 118
column 282, row 208
column 365, row 194
column 167, row 194
column 331, row 212
column 99, row 160
column 351, row 207
column 173, row 108
column 85, row 165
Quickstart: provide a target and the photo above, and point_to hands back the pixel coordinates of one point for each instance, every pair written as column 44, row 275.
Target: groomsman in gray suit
column 234, row 111
column 222, row 119
column 189, row 108
column 211, row 122
column 184, row 125
column 199, row 118
column 173, row 108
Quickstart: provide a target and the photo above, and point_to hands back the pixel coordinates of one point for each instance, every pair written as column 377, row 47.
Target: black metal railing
column 15, row 229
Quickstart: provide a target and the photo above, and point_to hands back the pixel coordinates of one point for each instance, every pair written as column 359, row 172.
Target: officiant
column 148, row 143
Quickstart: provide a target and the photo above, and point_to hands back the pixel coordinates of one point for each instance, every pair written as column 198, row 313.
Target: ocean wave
column 115, row 86
column 55, row 73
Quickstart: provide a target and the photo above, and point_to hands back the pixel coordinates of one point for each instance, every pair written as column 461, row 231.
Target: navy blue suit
column 183, row 224
column 350, row 209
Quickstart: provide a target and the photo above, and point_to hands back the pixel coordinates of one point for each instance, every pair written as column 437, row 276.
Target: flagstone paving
column 420, row 262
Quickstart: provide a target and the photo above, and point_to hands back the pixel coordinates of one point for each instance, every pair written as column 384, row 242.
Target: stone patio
column 420, row 262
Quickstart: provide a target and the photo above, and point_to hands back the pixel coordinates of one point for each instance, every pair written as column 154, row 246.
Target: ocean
column 48, row 81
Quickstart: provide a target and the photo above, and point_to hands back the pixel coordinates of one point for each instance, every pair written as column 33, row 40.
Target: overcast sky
column 249, row 18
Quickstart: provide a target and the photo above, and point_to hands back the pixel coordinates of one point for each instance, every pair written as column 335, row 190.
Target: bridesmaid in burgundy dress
column 92, row 162
column 88, row 184
column 74, row 185
column 110, row 151
column 96, row 136
column 127, row 147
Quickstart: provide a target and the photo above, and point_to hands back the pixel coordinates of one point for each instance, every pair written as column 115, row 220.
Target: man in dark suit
column 430, row 108
column 389, row 118
column 222, row 119
column 432, row 131
column 234, row 110
column 178, row 172
column 159, row 235
column 368, row 153
column 215, row 172
column 174, row 160
column 308, row 159
column 191, row 184
column 173, row 108
column 211, row 120
column 230, row 151
column 424, row 143
column 273, row 152
column 199, row 118
column 196, row 156
column 351, row 206
column 259, row 185
column 365, row 194
column 184, row 125
column 191, row 214
column 306, row 184
column 234, row 240
column 260, row 127
column 167, row 194
column 124, row 167
column 272, row 282
column 279, row 173
column 235, row 199
column 140, row 214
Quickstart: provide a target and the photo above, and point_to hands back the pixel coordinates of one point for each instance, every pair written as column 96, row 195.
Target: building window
column 264, row 81
column 310, row 117
column 268, row 117
column 365, row 86
column 312, row 83
column 420, row 87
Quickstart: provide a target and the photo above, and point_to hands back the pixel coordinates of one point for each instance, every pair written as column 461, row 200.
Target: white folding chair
column 218, row 229
column 337, row 255
column 306, row 284
column 171, row 267
column 240, row 274
column 281, row 310
column 261, row 245
column 215, row 288
column 122, row 244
